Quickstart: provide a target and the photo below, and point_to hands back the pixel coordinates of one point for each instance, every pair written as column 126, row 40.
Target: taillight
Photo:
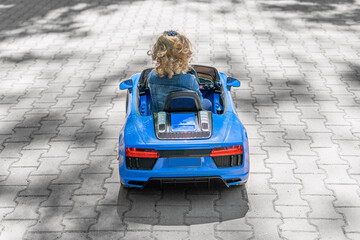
column 225, row 151
column 141, row 153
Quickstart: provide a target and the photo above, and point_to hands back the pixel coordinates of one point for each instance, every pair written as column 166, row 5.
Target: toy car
column 186, row 143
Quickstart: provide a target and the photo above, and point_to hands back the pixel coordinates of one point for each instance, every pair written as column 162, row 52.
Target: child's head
column 172, row 54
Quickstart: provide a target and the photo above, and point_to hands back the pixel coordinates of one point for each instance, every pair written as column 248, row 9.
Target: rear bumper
column 165, row 174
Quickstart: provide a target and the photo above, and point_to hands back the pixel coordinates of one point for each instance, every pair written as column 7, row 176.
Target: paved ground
column 61, row 111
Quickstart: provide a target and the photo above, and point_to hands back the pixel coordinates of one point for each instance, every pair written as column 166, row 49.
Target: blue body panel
column 138, row 132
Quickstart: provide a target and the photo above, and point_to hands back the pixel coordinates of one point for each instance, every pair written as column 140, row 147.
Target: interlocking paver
column 38, row 185
column 61, row 111
column 265, row 228
column 50, row 219
column 288, row 194
column 18, row 176
column 109, row 219
column 26, row 208
column 92, row 184
column 60, row 195
column 330, row 229
column 15, row 229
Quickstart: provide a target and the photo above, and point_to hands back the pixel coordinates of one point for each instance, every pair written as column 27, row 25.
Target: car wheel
column 240, row 184
column 127, row 101
column 125, row 186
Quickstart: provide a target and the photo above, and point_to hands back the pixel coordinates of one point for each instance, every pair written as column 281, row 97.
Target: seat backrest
column 182, row 101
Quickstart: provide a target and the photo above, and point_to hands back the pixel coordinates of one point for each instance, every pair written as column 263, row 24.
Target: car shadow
column 182, row 205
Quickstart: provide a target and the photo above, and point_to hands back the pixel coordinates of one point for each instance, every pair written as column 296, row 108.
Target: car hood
column 227, row 131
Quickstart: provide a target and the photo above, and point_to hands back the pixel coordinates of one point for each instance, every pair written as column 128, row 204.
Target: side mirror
column 232, row 82
column 126, row 84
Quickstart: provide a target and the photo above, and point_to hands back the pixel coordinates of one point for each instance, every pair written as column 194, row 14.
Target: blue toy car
column 186, row 143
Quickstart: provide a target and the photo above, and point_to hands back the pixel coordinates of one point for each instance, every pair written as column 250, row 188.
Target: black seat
column 182, row 101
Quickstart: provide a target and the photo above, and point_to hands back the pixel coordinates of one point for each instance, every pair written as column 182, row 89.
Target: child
column 172, row 54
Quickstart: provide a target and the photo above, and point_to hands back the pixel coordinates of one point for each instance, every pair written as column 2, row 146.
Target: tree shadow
column 22, row 18
column 342, row 13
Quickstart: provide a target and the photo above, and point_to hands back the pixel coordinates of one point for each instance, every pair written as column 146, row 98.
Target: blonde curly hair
column 172, row 53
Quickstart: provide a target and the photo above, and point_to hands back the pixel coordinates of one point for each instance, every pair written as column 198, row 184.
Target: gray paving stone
column 297, row 225
column 99, row 165
column 38, row 186
column 282, row 173
column 39, row 142
column 207, row 209
column 115, row 177
column 352, row 219
column 146, row 235
column 29, row 158
column 5, row 211
column 85, row 140
column 300, row 235
column 202, row 231
column 298, row 99
column 262, row 206
column 265, row 228
column 83, row 207
column 301, row 147
column 322, row 207
column 330, row 229
column 73, row 120
column 313, row 184
column 143, row 209
column 74, row 235
column 258, row 184
column 60, row 195
column 106, row 234
column 293, row 211
column 50, row 219
column 352, row 235
column 105, row 148
column 26, row 208
column 351, row 148
column 48, row 165
column 163, row 235
column 12, row 150
column 337, row 174
column 306, row 164
column 329, row 156
column 110, row 218
column 58, row 149
column 278, row 155
column 346, row 195
column 92, row 184
column 8, row 195
column 18, row 176
column 15, row 229
column 288, row 194
column 69, row 174
column 78, row 156
column 353, row 163
column 21, row 135
column 114, row 195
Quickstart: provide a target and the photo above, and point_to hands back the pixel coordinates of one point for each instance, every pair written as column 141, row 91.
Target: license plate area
column 184, row 162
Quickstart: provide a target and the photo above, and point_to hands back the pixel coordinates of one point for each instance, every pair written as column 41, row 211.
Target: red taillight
column 225, row 151
column 141, row 153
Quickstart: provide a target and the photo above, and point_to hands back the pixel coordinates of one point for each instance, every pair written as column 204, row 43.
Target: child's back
column 172, row 54
column 160, row 87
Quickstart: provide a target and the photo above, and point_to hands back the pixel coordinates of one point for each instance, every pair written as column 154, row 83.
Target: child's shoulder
column 181, row 76
column 187, row 76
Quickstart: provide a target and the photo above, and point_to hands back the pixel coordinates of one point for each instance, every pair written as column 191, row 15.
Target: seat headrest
column 182, row 101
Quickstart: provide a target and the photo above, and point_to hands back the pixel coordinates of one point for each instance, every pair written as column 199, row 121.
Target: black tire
column 127, row 101
column 125, row 186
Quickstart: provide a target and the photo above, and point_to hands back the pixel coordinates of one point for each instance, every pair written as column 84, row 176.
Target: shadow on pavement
column 338, row 12
column 182, row 205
